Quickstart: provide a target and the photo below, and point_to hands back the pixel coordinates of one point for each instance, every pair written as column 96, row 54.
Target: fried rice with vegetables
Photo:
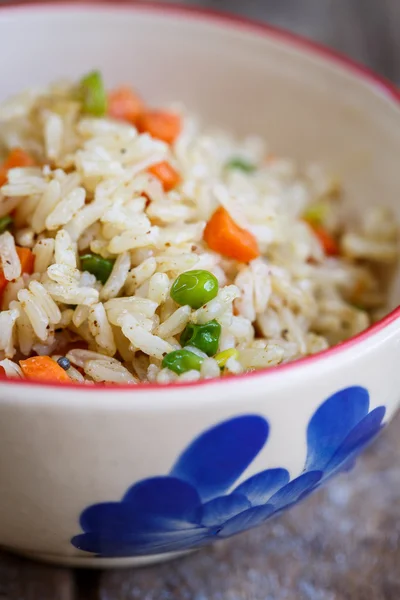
column 137, row 247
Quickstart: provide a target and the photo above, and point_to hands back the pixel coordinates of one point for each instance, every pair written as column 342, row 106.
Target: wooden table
column 344, row 542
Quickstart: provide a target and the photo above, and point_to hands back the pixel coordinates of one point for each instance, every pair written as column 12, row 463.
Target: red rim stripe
column 234, row 22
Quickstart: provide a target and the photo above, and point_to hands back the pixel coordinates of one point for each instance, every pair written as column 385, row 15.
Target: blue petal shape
column 141, row 544
column 259, row 488
column 219, row 510
column 358, row 438
column 167, row 496
column 332, row 423
column 120, row 518
column 109, row 518
column 218, row 457
column 189, row 508
column 295, row 490
column 246, row 520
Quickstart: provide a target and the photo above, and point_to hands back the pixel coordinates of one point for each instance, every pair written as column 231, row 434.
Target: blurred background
column 366, row 30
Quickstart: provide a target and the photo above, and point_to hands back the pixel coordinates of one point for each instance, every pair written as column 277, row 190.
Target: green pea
column 359, row 307
column 98, row 266
column 194, row 288
column 93, row 94
column 181, row 361
column 5, row 223
column 204, row 337
column 240, row 164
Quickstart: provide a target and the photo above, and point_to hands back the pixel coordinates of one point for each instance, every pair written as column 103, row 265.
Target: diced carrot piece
column 27, row 259
column 43, row 368
column 19, row 158
column 160, row 124
column 270, row 158
column 327, row 242
column 223, row 235
column 3, row 176
column 3, row 283
column 166, row 174
column 125, row 105
column 16, row 158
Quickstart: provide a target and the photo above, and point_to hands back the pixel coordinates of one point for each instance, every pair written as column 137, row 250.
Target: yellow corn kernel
column 223, row 357
column 316, row 214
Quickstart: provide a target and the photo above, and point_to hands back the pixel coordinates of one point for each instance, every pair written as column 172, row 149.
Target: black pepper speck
column 64, row 363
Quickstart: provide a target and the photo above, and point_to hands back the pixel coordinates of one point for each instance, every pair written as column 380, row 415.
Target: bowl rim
column 251, row 26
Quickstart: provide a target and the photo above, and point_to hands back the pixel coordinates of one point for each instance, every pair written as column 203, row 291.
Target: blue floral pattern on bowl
column 197, row 502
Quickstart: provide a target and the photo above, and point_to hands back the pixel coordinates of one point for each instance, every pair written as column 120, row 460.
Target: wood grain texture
column 344, row 542
column 21, row 579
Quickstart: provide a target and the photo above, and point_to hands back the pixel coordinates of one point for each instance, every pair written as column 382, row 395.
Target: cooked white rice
column 92, row 193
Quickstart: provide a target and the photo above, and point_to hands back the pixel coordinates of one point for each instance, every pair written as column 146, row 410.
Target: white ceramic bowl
column 128, row 476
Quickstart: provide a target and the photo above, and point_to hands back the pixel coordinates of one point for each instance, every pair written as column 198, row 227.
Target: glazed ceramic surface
column 129, row 476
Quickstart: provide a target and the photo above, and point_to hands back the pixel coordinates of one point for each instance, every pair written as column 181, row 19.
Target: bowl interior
column 234, row 75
